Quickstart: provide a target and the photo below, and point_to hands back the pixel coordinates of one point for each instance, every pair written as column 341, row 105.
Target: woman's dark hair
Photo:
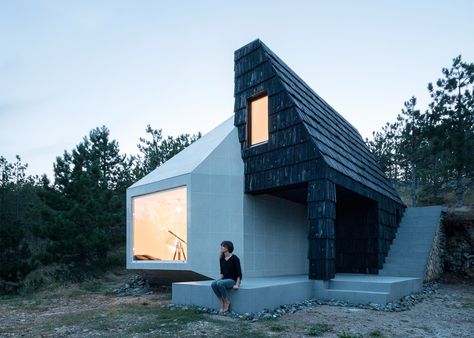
column 229, row 245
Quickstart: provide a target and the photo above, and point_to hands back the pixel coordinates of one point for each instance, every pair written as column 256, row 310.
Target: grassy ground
column 90, row 309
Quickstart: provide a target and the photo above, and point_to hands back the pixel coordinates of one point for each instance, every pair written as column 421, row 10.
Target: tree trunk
column 413, row 185
column 459, row 190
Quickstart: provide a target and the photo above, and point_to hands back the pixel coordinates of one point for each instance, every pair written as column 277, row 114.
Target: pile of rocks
column 403, row 304
column 136, row 285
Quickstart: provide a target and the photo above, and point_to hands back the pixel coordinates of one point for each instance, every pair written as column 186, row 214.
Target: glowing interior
column 259, row 120
column 159, row 226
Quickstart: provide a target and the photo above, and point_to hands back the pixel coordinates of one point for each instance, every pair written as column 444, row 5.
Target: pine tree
column 452, row 115
column 16, row 194
column 411, row 144
column 384, row 147
column 84, row 208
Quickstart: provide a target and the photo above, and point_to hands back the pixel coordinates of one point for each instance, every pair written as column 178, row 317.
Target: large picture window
column 159, row 226
column 258, row 112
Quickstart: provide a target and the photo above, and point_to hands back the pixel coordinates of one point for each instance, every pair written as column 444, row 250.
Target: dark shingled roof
column 340, row 144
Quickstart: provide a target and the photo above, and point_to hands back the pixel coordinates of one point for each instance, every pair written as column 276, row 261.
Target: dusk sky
column 67, row 67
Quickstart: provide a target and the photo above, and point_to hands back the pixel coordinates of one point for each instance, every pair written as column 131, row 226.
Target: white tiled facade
column 216, row 206
column 275, row 232
column 269, row 233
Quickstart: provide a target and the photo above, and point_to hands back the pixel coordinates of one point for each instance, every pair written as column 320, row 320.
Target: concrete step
column 424, row 223
column 411, row 251
column 420, row 221
column 407, row 253
column 415, row 249
column 419, row 215
column 375, row 285
column 411, row 240
column 412, row 246
column 416, row 227
column 404, row 266
column 359, row 286
column 396, row 262
column 370, row 288
column 398, row 269
column 401, row 267
column 415, row 235
column 359, row 297
column 403, row 259
column 254, row 294
column 428, row 210
column 416, row 232
column 405, row 273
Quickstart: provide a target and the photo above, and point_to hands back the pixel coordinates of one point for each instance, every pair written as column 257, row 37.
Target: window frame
column 132, row 227
column 248, row 132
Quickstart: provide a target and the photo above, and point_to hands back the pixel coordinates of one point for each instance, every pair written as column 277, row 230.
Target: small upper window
column 258, row 120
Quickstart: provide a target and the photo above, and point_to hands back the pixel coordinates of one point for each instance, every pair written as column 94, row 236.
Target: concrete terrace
column 398, row 278
column 258, row 293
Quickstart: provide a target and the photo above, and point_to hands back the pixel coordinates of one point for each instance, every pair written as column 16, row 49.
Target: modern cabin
column 286, row 178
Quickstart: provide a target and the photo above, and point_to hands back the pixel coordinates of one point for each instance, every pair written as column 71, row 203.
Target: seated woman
column 231, row 275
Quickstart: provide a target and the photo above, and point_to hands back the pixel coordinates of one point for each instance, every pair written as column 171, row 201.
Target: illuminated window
column 258, row 120
column 159, row 226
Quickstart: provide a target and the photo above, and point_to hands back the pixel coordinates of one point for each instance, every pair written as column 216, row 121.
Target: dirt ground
column 90, row 309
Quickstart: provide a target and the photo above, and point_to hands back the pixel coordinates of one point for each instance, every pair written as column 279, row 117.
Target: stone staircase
column 411, row 247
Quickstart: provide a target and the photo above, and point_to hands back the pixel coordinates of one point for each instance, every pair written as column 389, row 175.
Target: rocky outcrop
column 459, row 252
column 136, row 285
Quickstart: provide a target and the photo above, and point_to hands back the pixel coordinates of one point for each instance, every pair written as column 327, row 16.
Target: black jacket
column 231, row 268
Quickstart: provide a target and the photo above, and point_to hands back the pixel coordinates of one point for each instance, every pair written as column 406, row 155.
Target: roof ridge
column 188, row 159
column 326, row 122
column 272, row 54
